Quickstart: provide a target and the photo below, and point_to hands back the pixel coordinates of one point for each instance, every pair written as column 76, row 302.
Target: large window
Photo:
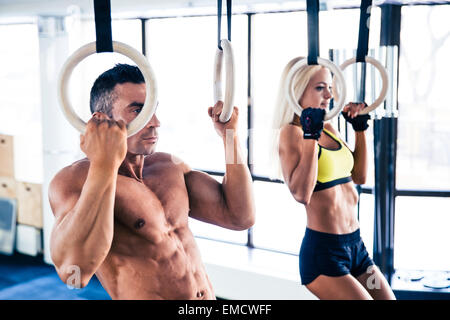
column 421, row 233
column 423, row 155
column 182, row 51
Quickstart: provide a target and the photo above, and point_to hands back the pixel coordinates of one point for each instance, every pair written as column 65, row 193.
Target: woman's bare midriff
column 333, row 210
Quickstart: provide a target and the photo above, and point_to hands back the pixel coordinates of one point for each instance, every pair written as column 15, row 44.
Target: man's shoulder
column 74, row 172
column 67, row 183
column 78, row 167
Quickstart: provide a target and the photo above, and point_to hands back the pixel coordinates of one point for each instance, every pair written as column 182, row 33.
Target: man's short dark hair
column 102, row 92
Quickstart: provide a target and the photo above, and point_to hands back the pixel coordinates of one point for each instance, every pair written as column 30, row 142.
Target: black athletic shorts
column 332, row 255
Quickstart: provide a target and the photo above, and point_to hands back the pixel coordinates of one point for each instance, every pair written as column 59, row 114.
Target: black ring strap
column 363, row 37
column 219, row 21
column 312, row 9
column 103, row 32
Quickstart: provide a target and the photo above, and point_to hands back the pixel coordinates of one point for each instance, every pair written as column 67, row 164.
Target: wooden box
column 8, row 187
column 29, row 196
column 6, row 156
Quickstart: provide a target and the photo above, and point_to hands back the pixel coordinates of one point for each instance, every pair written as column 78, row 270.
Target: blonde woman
column 320, row 171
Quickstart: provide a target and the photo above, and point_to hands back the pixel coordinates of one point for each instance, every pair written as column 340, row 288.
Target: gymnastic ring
column 227, row 51
column 289, row 90
column 384, row 78
column 144, row 66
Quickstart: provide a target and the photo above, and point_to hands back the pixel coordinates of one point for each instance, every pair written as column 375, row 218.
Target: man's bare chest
column 159, row 203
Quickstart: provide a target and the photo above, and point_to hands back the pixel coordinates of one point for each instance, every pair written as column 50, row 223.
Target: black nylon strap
column 312, row 8
column 103, row 32
column 229, row 14
column 363, row 37
column 219, row 21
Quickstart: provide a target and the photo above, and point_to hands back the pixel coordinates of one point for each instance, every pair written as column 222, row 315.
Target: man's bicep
column 206, row 199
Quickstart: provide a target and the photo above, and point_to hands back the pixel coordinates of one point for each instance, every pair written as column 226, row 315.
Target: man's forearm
column 84, row 235
column 237, row 183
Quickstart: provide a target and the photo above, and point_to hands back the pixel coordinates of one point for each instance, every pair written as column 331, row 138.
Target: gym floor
column 24, row 277
column 30, row 278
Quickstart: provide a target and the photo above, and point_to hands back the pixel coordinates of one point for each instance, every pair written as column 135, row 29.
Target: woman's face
column 318, row 91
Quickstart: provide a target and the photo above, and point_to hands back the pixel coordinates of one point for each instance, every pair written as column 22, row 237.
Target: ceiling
column 152, row 8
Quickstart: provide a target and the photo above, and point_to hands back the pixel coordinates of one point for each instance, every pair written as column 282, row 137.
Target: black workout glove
column 312, row 122
column 359, row 123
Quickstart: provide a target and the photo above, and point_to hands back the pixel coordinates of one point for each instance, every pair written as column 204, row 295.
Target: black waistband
column 330, row 238
column 329, row 184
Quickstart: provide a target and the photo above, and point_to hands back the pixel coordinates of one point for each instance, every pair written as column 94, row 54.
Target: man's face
column 129, row 101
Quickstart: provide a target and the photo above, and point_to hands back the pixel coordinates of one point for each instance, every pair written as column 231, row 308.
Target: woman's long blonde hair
column 283, row 113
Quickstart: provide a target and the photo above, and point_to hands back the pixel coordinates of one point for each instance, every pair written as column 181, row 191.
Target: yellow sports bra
column 335, row 165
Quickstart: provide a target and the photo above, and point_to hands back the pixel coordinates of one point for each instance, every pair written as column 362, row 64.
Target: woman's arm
column 298, row 157
column 359, row 172
column 359, row 123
